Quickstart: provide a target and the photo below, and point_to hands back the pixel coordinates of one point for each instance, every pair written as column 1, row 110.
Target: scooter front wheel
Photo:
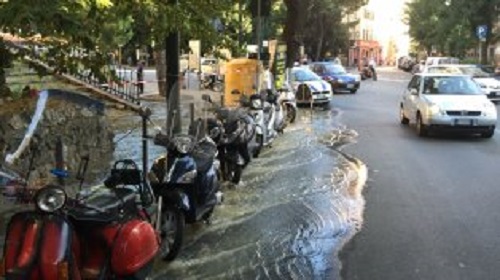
column 259, row 138
column 172, row 232
column 235, row 173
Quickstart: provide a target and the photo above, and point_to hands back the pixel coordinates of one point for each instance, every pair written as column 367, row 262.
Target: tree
column 318, row 25
column 450, row 26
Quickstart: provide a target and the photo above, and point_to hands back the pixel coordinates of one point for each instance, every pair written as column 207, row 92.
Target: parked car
column 485, row 80
column 439, row 60
column 453, row 102
column 406, row 63
column 337, row 76
column 306, row 85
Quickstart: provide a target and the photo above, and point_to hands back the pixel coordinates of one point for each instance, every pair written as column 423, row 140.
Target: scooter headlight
column 256, row 103
column 50, row 199
column 183, row 144
column 188, row 177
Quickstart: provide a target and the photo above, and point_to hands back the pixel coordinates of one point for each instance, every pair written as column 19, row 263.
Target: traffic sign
column 481, row 32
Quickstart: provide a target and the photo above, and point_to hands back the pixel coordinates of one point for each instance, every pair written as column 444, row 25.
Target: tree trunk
column 321, row 36
column 293, row 29
column 161, row 70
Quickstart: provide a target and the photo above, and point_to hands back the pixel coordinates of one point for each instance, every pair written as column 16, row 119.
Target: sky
column 388, row 23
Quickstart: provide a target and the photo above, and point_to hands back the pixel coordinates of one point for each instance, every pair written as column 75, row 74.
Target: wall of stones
column 77, row 120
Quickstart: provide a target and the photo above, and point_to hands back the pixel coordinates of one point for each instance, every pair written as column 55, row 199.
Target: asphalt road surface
column 432, row 204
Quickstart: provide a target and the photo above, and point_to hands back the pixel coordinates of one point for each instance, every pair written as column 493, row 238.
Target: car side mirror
column 413, row 91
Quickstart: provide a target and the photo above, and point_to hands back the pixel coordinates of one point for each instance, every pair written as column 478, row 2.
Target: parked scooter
column 186, row 181
column 262, row 109
column 287, row 100
column 234, row 132
column 212, row 82
column 103, row 235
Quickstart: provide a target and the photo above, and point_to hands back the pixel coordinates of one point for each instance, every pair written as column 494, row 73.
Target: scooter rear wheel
column 291, row 114
column 172, row 233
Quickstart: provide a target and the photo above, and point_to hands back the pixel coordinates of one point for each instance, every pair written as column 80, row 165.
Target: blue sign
column 481, row 32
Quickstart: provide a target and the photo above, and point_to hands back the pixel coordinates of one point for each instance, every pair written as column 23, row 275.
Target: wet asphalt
column 432, row 208
column 428, row 209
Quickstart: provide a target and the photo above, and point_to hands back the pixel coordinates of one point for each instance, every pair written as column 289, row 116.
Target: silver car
column 447, row 102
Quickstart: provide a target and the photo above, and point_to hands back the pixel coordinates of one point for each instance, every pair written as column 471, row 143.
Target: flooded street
column 299, row 202
column 297, row 205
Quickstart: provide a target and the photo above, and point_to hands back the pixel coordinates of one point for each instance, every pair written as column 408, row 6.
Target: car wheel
column 353, row 91
column 402, row 118
column 421, row 128
column 488, row 134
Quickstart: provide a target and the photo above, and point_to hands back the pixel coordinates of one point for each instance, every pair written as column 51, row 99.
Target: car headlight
column 482, row 85
column 435, row 110
column 340, row 81
column 357, row 78
column 50, row 199
column 183, row 144
column 489, row 109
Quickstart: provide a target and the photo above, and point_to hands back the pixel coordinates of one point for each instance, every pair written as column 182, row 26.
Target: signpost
column 481, row 33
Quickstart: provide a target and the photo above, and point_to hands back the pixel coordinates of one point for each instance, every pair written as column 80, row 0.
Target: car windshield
column 475, row 72
column 456, row 85
column 335, row 69
column 304, row 75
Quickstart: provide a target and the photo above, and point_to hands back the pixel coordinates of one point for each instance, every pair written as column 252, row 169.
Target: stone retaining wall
column 77, row 120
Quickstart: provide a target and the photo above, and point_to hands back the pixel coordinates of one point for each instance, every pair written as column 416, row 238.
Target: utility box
column 241, row 79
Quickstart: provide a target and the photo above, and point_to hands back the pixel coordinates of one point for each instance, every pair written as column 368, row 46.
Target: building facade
column 362, row 42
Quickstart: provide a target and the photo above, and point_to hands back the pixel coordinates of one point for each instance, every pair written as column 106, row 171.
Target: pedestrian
column 140, row 77
column 371, row 66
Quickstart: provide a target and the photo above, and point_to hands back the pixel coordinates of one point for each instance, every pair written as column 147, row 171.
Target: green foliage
column 451, row 28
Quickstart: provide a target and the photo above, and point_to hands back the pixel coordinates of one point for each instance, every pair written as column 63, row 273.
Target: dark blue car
column 337, row 76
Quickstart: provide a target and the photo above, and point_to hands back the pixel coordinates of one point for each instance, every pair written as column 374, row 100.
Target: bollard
column 191, row 111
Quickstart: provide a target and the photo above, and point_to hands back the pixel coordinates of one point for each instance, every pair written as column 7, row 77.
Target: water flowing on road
column 299, row 202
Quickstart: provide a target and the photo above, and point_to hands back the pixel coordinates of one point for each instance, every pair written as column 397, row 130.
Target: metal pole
column 259, row 41
column 144, row 148
column 173, row 90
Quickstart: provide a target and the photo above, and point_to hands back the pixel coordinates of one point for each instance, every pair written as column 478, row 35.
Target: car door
column 410, row 99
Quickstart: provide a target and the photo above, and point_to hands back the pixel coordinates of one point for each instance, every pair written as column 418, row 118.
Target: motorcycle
column 261, row 107
column 212, row 82
column 286, row 98
column 185, row 180
column 367, row 73
column 105, row 233
column 234, row 132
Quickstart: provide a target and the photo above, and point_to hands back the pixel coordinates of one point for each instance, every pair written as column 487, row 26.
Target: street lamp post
column 172, row 80
column 259, row 39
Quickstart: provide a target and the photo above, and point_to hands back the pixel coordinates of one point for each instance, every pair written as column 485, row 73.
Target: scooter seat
column 105, row 206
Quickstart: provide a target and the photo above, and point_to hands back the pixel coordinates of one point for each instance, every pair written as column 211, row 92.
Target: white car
column 447, row 102
column 486, row 81
column 307, row 84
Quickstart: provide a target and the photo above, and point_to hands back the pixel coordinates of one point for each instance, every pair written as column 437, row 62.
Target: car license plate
column 350, row 86
column 463, row 122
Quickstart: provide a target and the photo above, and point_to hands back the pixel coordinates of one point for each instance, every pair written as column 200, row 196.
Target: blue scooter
column 185, row 180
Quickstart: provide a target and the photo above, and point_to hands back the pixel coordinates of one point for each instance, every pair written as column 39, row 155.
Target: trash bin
column 240, row 79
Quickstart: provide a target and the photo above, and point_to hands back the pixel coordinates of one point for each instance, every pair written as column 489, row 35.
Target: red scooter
column 104, row 233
